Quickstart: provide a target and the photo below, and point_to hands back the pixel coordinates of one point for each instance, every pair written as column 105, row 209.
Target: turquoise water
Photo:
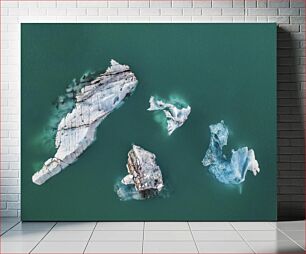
column 223, row 71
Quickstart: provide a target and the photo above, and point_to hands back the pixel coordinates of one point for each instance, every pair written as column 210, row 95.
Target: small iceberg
column 144, row 179
column 228, row 171
column 176, row 113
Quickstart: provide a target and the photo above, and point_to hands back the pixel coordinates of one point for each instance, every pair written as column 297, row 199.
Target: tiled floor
column 152, row 237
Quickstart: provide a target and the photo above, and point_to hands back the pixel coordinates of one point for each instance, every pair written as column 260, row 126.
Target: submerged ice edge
column 61, row 107
column 176, row 114
column 228, row 171
column 144, row 179
column 93, row 103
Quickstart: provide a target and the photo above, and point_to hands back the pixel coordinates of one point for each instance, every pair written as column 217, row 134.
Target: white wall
column 289, row 14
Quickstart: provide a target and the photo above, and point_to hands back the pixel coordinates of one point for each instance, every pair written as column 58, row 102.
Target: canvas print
column 148, row 122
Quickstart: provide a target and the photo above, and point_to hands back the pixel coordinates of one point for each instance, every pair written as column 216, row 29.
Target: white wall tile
column 128, row 12
column 262, row 12
column 202, row 3
column 289, row 11
column 117, row 4
column 211, row 11
column 192, row 11
column 297, row 3
column 182, row 3
column 278, row 3
column 160, row 3
column 90, row 4
column 139, row 4
column 172, row 12
column 233, row 11
column 150, row 12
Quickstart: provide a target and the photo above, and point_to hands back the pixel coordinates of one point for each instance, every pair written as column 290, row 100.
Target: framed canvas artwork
column 133, row 122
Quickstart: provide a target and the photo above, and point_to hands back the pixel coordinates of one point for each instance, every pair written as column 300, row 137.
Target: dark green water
column 223, row 71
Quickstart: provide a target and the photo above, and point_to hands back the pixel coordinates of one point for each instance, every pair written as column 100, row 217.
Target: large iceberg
column 92, row 104
column 144, row 179
column 228, row 171
column 175, row 112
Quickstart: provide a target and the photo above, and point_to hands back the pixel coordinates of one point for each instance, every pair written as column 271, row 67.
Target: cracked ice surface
column 144, row 179
column 175, row 113
column 93, row 103
column 228, row 171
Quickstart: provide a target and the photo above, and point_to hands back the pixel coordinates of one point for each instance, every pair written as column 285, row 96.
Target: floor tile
column 120, row 226
column 8, row 224
column 169, row 247
column 166, row 226
column 216, row 236
column 168, row 236
column 273, row 235
column 301, row 243
column 291, row 225
column 5, row 228
column 68, row 236
column 211, row 226
column 17, row 247
column 223, row 247
column 60, row 247
column 99, row 236
column 297, row 235
column 9, row 220
column 273, row 224
column 33, row 226
column 253, row 226
column 276, row 247
column 63, row 226
column 23, row 236
column 114, row 247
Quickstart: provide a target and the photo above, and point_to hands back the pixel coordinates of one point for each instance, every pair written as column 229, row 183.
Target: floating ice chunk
column 128, row 179
column 93, row 103
column 175, row 113
column 231, row 171
column 144, row 179
column 127, row 192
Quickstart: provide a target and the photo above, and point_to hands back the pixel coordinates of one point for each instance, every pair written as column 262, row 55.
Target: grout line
column 42, row 238
column 123, row 230
column 247, row 243
column 273, row 225
column 290, row 238
column 153, row 230
column 16, row 223
column 193, row 238
column 90, row 236
column 143, row 231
